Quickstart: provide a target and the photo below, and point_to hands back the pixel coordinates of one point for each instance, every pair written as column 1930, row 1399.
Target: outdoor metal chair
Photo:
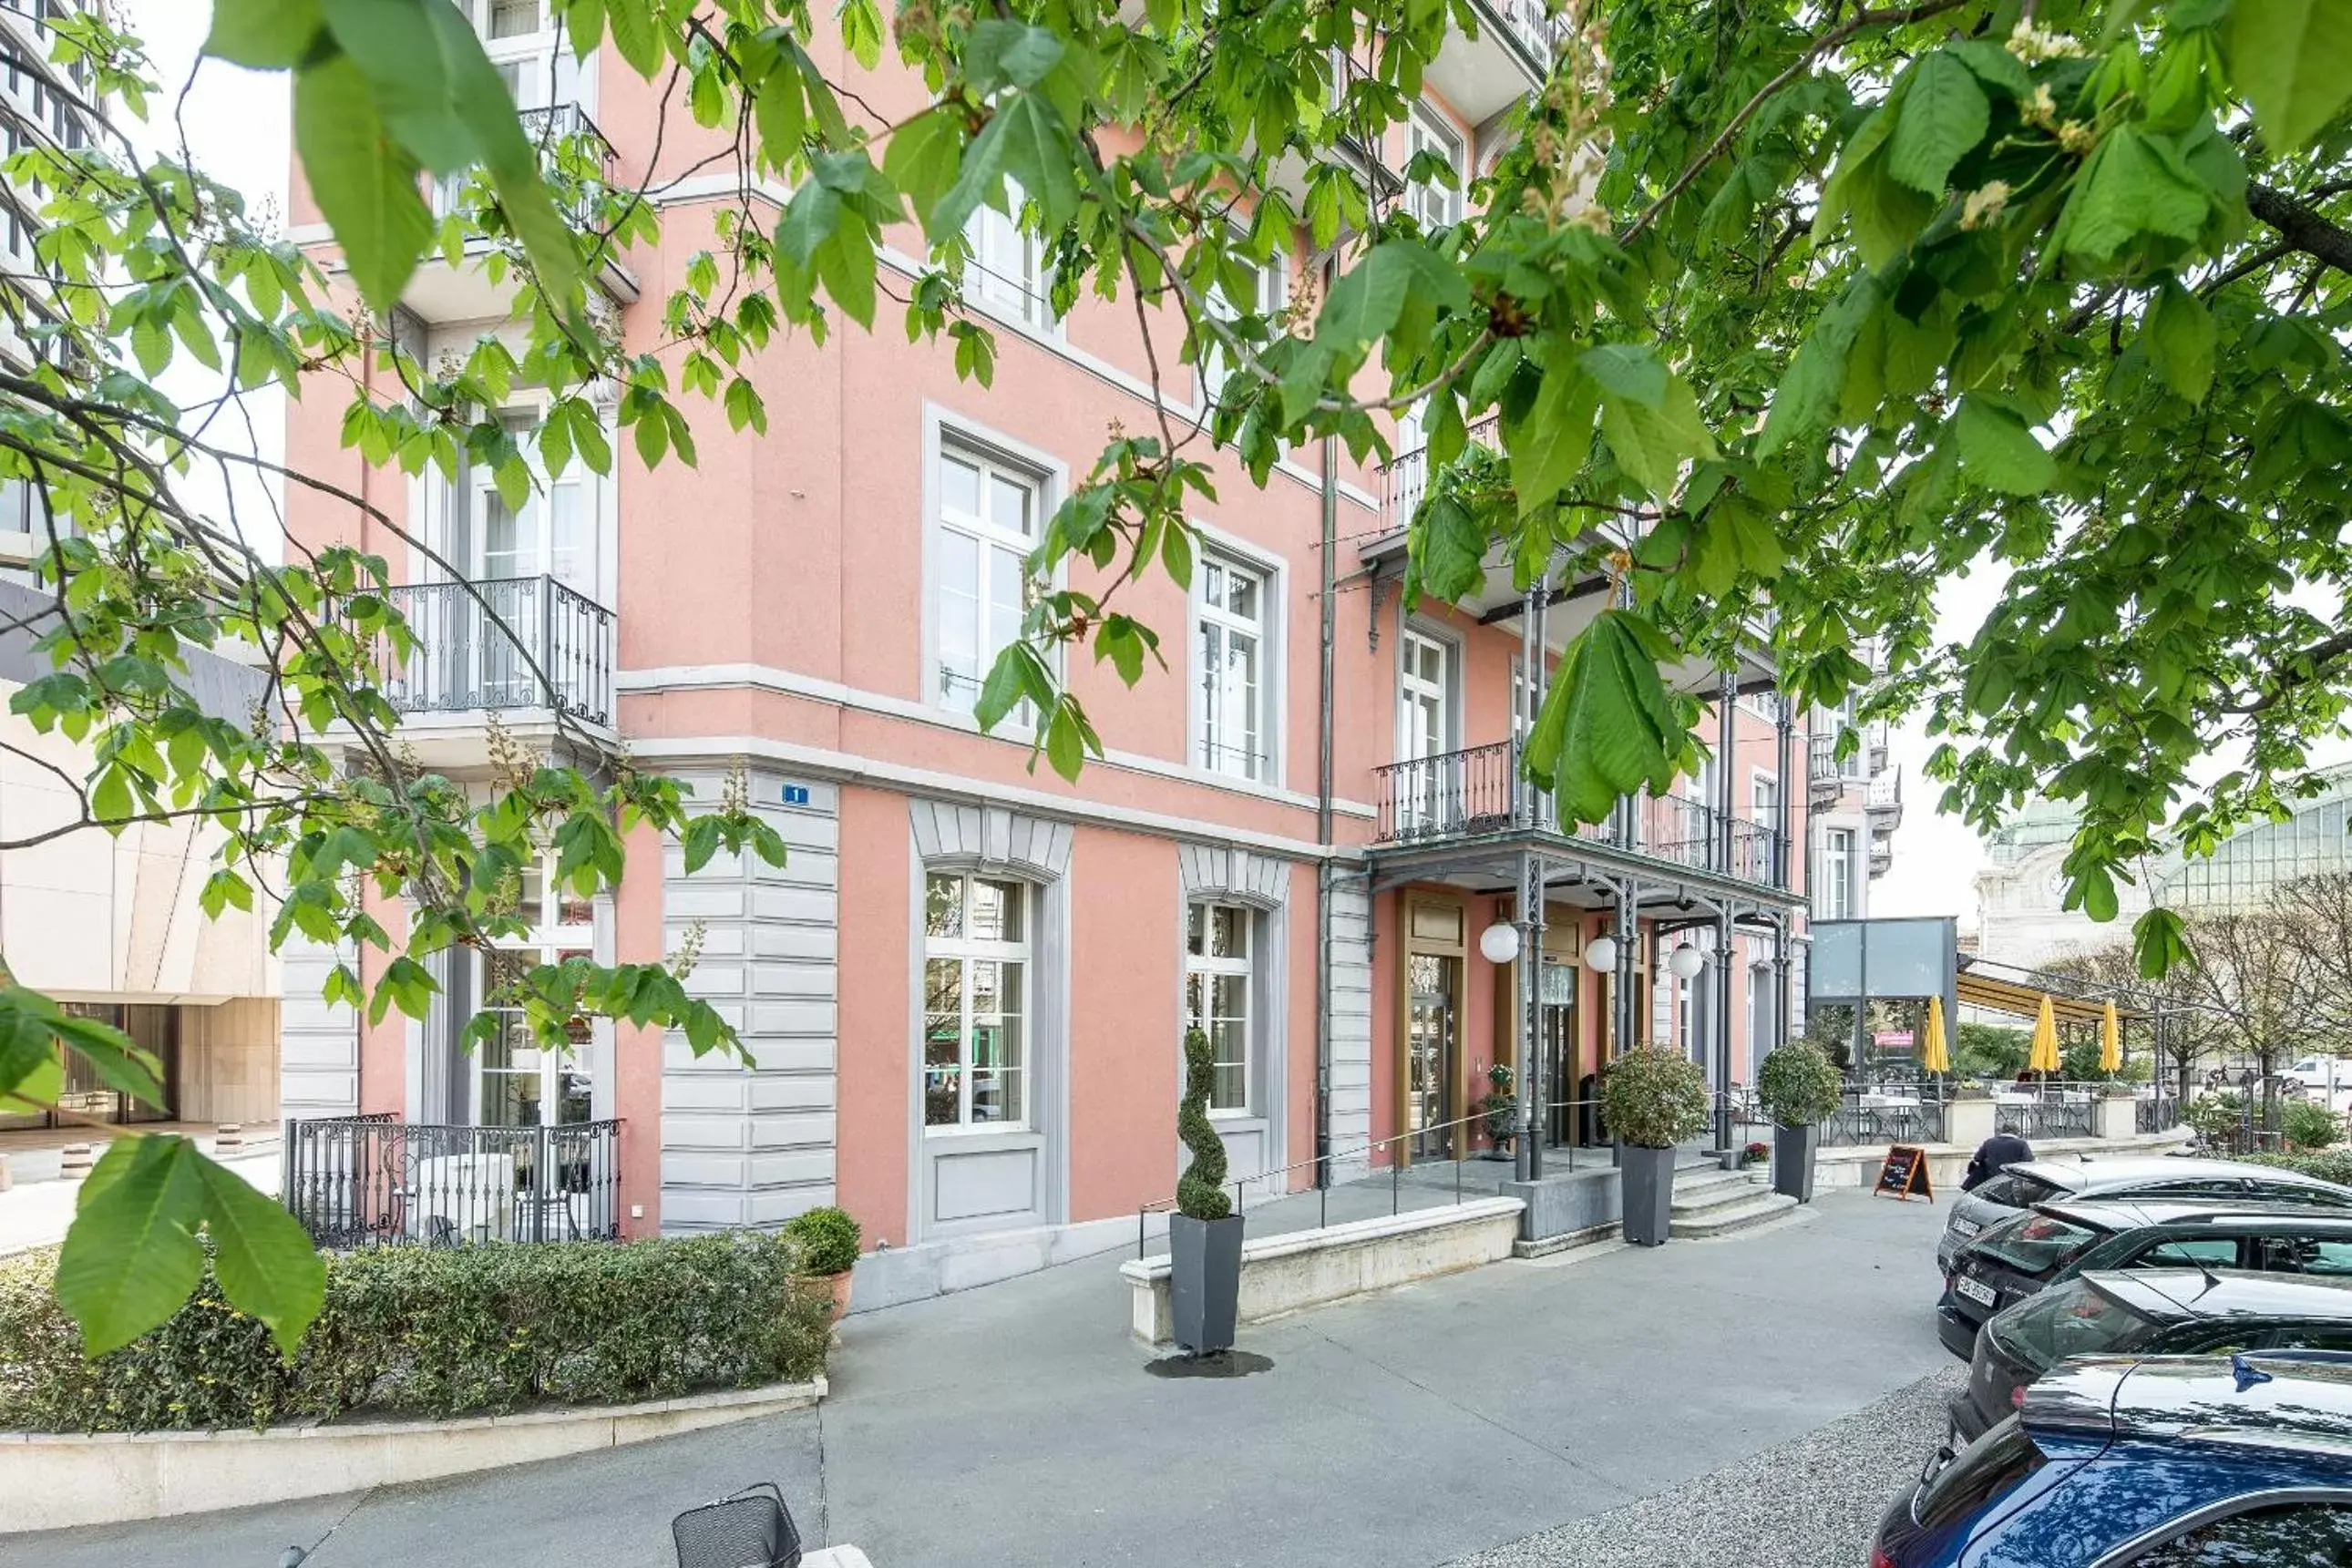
column 753, row 1528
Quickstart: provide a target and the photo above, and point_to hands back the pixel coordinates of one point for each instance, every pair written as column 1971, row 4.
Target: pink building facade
column 965, row 993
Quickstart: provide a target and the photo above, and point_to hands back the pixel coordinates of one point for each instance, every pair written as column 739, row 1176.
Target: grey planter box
column 1205, row 1283
column 1792, row 1160
column 1649, row 1182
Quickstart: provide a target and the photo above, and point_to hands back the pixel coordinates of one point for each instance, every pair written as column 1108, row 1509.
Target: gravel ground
column 1810, row 1503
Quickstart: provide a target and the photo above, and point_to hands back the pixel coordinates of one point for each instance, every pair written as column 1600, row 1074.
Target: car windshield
column 2015, row 1189
column 2073, row 1319
column 2036, row 1244
column 1983, row 1471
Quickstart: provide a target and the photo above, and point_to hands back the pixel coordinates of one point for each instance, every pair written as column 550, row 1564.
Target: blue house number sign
column 796, row 795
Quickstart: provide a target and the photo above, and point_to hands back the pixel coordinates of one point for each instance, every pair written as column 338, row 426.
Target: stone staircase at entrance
column 1709, row 1201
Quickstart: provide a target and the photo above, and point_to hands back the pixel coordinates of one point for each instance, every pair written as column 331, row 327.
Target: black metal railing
column 2067, row 1115
column 1404, row 478
column 550, row 128
column 2156, row 1113
column 507, row 643
column 372, row 1181
column 1479, row 789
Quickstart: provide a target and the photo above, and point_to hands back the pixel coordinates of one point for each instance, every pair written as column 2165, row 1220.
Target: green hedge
column 424, row 1331
column 2327, row 1164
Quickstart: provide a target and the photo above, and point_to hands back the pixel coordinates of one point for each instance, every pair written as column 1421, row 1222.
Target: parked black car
column 2058, row 1240
column 2020, row 1186
column 2152, row 1311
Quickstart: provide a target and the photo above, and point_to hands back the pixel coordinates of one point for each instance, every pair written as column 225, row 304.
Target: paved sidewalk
column 1016, row 1425
column 37, row 1213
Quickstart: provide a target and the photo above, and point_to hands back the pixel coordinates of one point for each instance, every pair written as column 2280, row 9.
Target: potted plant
column 827, row 1240
column 1501, row 1109
column 1205, row 1235
column 1755, row 1154
column 1655, row 1100
column 1798, row 1086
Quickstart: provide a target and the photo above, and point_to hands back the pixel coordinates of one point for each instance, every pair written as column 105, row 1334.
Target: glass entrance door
column 1559, row 1056
column 1432, row 1048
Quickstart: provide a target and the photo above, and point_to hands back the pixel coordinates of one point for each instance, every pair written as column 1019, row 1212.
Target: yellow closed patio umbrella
column 1937, row 1054
column 2044, row 1057
column 2111, row 1042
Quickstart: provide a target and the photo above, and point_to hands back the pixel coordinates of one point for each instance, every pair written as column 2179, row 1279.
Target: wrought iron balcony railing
column 371, row 1181
column 1404, row 478
column 1478, row 790
column 507, row 643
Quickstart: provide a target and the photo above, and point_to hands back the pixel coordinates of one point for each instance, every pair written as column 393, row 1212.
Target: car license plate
column 1984, row 1295
column 1965, row 1227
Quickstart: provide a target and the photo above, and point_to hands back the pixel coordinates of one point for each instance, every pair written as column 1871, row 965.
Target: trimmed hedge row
column 2327, row 1164
column 426, row 1331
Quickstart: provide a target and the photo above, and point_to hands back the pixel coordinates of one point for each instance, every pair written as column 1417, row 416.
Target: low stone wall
column 1948, row 1163
column 53, row 1481
column 1302, row 1269
column 1569, row 1208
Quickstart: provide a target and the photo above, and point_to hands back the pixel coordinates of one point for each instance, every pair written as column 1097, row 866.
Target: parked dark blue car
column 2155, row 1462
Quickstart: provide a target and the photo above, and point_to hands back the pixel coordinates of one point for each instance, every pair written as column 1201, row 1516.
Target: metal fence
column 370, row 1181
column 2069, row 1115
column 1404, row 478
column 485, row 645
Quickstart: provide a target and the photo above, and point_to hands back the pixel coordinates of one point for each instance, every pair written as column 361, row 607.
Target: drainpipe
column 1323, row 822
column 1785, row 856
column 1726, row 747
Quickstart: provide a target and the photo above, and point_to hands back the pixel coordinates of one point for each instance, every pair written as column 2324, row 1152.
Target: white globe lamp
column 1601, row 953
column 1685, row 961
column 1499, row 943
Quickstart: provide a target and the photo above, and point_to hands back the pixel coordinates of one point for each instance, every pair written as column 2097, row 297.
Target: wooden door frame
column 1411, row 944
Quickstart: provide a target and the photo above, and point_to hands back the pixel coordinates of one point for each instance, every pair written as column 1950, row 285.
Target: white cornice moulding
column 788, row 683
column 822, row 762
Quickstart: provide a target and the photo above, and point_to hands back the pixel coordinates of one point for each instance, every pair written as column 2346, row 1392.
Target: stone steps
column 1717, row 1202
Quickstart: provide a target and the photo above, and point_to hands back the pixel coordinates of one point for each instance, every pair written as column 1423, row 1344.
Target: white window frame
column 987, row 536
column 1833, row 898
column 1765, row 813
column 1006, row 271
column 1210, row 969
column 1428, row 129
column 1209, row 749
column 546, row 942
column 534, row 55
column 967, row 950
column 1273, row 294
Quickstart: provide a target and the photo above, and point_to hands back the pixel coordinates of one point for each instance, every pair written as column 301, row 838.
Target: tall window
column 1426, row 793
column 988, row 524
column 1217, row 996
column 1007, row 266
column 1764, row 810
column 522, row 1083
column 1229, row 652
column 975, row 1001
column 1834, row 889
column 1432, row 203
column 1273, row 292
column 521, row 37
column 549, row 535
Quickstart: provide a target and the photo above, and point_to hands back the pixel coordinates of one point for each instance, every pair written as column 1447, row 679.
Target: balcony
column 370, row 1181
column 512, row 642
column 442, row 290
column 1885, row 801
column 1478, row 791
column 1404, row 478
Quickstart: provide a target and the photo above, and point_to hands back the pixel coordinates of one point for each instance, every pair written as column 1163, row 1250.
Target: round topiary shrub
column 827, row 1241
column 1798, row 1084
column 1653, row 1099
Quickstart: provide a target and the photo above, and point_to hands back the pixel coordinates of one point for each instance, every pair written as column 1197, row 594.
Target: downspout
column 1323, row 869
column 1784, row 977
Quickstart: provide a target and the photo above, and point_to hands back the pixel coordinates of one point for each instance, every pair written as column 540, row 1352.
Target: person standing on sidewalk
column 1994, row 1156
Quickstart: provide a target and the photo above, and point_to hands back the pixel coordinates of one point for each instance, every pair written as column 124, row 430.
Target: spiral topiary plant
column 1798, row 1084
column 1201, row 1190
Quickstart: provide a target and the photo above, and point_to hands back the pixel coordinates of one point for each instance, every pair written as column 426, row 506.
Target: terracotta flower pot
column 840, row 1286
